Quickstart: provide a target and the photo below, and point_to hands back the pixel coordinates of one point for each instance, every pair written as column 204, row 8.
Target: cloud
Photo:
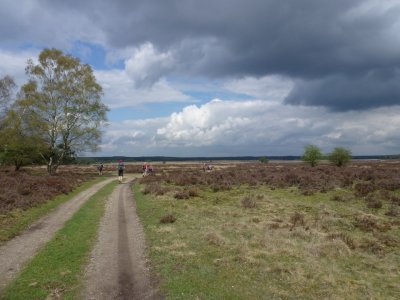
column 120, row 90
column 269, row 88
column 308, row 42
column 42, row 23
column 13, row 63
column 375, row 88
column 254, row 127
column 147, row 66
column 131, row 138
column 336, row 46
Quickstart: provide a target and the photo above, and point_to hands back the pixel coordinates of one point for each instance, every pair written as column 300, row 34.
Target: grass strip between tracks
column 56, row 271
column 16, row 221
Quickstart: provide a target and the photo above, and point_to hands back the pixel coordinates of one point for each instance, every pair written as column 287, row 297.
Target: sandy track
column 118, row 265
column 16, row 252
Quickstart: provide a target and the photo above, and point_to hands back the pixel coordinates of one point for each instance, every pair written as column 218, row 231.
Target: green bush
column 312, row 154
column 340, row 156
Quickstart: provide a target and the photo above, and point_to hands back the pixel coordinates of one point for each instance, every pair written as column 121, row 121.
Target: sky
column 225, row 77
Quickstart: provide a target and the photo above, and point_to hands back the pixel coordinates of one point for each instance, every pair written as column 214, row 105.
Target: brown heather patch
column 364, row 177
column 374, row 202
column 28, row 188
column 393, row 211
column 371, row 223
column 154, row 188
column 181, row 195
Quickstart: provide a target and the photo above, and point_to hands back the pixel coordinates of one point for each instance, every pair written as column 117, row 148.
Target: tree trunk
column 17, row 165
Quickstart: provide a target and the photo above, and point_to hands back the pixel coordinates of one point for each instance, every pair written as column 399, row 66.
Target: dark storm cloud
column 341, row 92
column 338, row 52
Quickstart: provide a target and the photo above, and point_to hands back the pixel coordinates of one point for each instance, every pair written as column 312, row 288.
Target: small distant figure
column 121, row 168
column 147, row 169
column 100, row 167
column 207, row 168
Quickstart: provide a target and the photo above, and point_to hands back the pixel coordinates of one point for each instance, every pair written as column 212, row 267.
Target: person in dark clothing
column 121, row 168
column 100, row 168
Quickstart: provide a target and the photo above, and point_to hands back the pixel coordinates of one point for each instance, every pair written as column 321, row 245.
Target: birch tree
column 64, row 101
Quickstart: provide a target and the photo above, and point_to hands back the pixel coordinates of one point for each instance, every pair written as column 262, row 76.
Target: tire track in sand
column 118, row 265
column 15, row 253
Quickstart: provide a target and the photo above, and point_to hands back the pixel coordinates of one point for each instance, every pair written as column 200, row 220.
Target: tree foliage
column 264, row 160
column 20, row 144
column 312, row 155
column 64, row 103
column 340, row 156
column 7, row 85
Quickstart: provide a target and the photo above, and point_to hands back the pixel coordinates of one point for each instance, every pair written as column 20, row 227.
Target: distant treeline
column 110, row 159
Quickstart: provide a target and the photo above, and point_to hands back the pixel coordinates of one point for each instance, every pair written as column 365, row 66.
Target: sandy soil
column 118, row 267
column 16, row 252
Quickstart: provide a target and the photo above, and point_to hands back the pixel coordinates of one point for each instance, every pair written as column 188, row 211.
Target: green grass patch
column 287, row 246
column 14, row 222
column 57, row 269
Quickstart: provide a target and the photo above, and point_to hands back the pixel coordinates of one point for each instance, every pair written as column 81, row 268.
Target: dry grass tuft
column 348, row 240
column 341, row 197
column 168, row 219
column 248, row 202
column 297, row 219
column 334, row 248
column 181, row 195
column 214, row 239
column 370, row 223
column 154, row 188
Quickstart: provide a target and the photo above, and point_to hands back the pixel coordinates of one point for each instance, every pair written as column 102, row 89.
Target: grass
column 14, row 222
column 285, row 246
column 56, row 271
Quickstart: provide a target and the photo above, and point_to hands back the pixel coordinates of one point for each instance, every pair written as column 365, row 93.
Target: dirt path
column 16, row 252
column 117, row 268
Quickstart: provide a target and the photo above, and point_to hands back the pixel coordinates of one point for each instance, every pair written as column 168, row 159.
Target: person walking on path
column 121, row 168
column 100, row 168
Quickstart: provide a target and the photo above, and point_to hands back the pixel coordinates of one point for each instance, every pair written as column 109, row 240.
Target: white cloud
column 120, row 90
column 255, row 128
column 147, row 66
column 270, row 88
column 14, row 63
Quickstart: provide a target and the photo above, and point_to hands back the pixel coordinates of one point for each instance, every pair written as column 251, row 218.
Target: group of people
column 120, row 169
column 146, row 168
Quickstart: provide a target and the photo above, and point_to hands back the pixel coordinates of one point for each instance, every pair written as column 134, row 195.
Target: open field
column 281, row 230
column 276, row 231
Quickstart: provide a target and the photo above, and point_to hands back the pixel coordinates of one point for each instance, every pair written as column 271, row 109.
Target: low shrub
column 181, row 195
column 168, row 219
column 374, row 202
column 393, row 211
column 297, row 219
column 248, row 202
